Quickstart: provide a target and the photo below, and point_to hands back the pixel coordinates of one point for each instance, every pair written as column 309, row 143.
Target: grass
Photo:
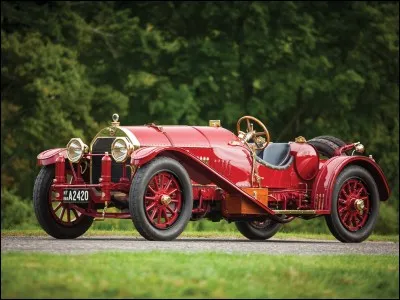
column 197, row 275
column 200, row 234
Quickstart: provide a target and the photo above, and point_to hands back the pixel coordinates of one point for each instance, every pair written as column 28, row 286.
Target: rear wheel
column 355, row 205
column 160, row 199
column 256, row 230
column 60, row 220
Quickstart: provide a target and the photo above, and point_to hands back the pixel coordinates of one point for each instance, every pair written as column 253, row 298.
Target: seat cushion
column 276, row 154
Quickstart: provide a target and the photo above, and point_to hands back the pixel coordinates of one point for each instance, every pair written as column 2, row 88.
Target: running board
column 302, row 212
column 296, row 212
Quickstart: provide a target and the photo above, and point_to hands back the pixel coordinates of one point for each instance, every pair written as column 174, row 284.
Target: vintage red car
column 161, row 177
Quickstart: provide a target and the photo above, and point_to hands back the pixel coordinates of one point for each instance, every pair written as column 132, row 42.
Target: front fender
column 325, row 180
column 198, row 170
column 49, row 157
column 144, row 155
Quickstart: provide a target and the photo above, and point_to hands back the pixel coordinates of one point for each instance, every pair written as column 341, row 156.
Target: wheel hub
column 261, row 224
column 359, row 205
column 165, row 199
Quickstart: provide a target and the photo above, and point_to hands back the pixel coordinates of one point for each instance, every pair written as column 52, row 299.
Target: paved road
column 229, row 245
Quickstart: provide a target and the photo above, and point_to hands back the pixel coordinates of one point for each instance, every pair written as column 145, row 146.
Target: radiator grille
column 102, row 145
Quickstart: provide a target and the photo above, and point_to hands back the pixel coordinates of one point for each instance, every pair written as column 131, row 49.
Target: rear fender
column 49, row 157
column 324, row 182
column 198, row 171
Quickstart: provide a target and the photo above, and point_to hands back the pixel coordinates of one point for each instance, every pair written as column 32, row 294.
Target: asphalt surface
column 229, row 245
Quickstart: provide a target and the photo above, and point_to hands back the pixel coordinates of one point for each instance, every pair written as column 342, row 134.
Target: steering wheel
column 250, row 133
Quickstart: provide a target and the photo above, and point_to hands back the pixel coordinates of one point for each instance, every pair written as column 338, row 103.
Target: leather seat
column 276, row 154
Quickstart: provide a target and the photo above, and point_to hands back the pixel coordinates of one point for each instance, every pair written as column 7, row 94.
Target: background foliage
column 304, row 68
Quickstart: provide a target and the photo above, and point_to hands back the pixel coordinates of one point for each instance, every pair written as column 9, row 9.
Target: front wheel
column 160, row 199
column 355, row 205
column 60, row 220
column 256, row 230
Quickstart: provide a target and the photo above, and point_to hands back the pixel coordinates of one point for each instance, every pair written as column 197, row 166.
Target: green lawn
column 202, row 234
column 197, row 275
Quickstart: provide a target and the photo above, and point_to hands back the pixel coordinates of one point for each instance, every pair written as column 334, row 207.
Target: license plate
column 76, row 195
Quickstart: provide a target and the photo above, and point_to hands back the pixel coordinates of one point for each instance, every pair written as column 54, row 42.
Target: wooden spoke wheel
column 60, row 220
column 355, row 205
column 160, row 199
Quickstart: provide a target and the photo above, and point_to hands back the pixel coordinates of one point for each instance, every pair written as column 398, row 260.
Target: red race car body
column 163, row 176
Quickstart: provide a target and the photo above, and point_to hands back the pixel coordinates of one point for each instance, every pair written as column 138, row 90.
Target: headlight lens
column 75, row 149
column 121, row 149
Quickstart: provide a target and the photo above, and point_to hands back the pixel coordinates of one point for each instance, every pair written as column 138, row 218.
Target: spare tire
column 326, row 145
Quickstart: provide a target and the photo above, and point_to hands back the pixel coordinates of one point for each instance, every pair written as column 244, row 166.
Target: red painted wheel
column 163, row 200
column 353, row 204
column 60, row 220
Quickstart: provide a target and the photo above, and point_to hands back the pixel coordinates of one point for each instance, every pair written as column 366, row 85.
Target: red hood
column 181, row 136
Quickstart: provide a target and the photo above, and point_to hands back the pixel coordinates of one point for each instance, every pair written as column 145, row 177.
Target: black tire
column 333, row 221
column 42, row 208
column 254, row 231
column 137, row 193
column 326, row 145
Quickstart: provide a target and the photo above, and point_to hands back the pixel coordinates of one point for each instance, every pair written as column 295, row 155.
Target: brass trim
column 296, row 212
column 300, row 139
column 113, row 132
column 234, row 143
column 360, row 148
column 83, row 146
column 204, row 185
column 165, row 199
column 128, row 145
column 135, row 142
column 214, row 123
column 253, row 167
column 115, row 118
column 359, row 205
column 250, row 131
column 119, row 132
column 204, row 159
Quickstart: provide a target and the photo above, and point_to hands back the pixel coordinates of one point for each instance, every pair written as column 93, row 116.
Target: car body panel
column 49, row 156
column 181, row 136
column 204, row 174
column 324, row 183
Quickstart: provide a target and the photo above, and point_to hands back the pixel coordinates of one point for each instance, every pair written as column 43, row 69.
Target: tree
column 304, row 68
